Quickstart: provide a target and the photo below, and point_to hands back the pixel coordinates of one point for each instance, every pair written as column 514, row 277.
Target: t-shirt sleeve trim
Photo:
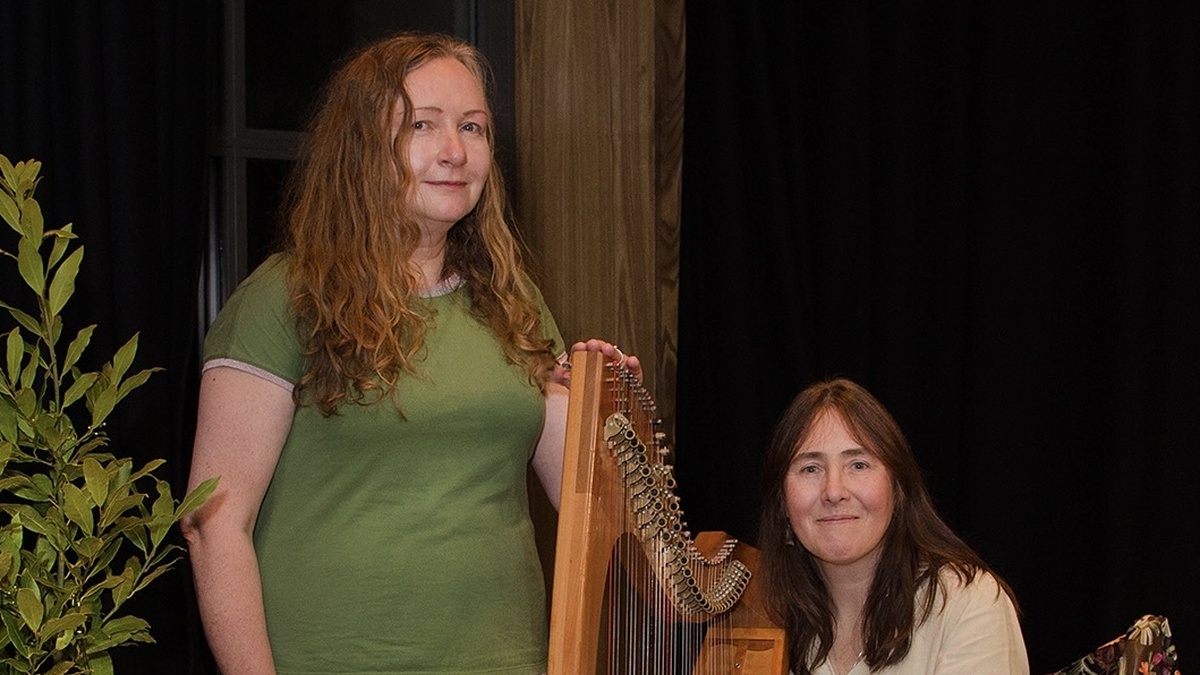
column 251, row 370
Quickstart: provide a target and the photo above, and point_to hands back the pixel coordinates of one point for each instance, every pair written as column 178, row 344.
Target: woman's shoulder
column 968, row 585
column 273, row 269
column 528, row 283
column 265, row 285
column 256, row 318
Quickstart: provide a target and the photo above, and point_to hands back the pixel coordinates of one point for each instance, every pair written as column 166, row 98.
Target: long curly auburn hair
column 349, row 236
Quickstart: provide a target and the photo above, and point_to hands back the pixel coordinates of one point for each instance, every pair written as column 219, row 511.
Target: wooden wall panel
column 599, row 107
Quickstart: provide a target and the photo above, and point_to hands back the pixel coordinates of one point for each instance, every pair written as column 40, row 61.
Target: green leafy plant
column 79, row 536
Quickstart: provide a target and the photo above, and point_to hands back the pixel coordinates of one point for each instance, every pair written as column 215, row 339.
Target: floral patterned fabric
column 1145, row 649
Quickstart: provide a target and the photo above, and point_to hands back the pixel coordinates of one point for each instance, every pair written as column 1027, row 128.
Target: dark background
column 986, row 213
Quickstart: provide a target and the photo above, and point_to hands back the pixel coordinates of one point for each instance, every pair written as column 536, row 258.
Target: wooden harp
column 634, row 593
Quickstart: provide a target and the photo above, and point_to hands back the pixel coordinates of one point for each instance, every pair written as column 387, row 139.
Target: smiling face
column 447, row 149
column 839, row 496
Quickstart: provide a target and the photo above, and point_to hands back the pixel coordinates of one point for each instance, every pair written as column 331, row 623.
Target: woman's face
column 839, row 496
column 448, row 150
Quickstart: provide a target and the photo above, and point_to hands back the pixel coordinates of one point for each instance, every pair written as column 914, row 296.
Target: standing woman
column 373, row 394
column 862, row 573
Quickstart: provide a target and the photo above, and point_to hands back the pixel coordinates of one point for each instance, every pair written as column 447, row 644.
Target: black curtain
column 988, row 214
column 110, row 97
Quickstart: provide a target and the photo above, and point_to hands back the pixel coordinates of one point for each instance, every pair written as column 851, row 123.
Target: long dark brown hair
column 917, row 545
column 349, row 235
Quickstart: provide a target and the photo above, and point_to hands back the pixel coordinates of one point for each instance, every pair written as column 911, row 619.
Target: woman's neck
column 849, row 586
column 429, row 260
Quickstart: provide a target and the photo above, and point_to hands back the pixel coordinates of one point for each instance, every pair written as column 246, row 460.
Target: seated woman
column 860, row 570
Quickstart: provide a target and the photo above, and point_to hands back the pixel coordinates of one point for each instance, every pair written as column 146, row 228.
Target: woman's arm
column 548, row 456
column 242, row 423
column 979, row 632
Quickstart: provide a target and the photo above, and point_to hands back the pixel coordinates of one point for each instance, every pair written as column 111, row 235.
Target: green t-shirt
column 391, row 544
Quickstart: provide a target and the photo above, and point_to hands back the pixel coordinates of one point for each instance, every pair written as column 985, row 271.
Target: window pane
column 264, row 181
column 292, row 47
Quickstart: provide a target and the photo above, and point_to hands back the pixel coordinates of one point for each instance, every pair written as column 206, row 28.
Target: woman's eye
column 420, row 125
column 473, row 127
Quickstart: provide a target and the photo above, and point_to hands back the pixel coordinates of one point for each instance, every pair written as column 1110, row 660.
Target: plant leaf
column 24, row 319
column 164, row 505
column 126, row 624
column 163, row 512
column 13, row 627
column 67, row 623
column 89, row 547
column 30, row 607
column 96, row 478
column 57, row 535
column 28, row 517
column 111, row 581
column 16, row 354
column 29, row 262
column 78, row 388
column 15, row 483
column 62, row 287
column 8, row 424
column 56, row 324
column 75, row 349
column 124, row 358
column 145, row 470
column 134, row 382
column 100, row 664
column 137, row 536
column 78, row 508
column 44, row 487
column 122, row 591
column 63, row 667
column 52, row 429
column 33, row 225
column 25, row 175
column 30, row 373
column 26, row 401
column 117, row 507
column 62, row 238
column 109, row 553
column 10, row 212
column 119, row 631
column 102, row 404
column 11, row 537
column 154, row 574
column 196, row 498
column 124, row 468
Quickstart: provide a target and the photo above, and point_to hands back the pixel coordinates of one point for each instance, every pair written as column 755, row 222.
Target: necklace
column 836, row 668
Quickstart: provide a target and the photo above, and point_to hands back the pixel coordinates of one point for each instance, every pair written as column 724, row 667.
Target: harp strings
column 652, row 630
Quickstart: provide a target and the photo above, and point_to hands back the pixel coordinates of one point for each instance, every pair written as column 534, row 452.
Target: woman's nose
column 835, row 486
column 453, row 151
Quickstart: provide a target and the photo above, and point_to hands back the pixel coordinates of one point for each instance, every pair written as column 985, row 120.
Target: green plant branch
column 69, row 508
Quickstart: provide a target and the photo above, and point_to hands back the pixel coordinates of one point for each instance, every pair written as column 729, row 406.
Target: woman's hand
column 562, row 373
